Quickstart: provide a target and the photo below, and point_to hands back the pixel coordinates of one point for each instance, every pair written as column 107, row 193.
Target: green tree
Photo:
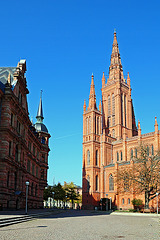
column 59, row 192
column 70, row 189
column 141, row 176
column 47, row 193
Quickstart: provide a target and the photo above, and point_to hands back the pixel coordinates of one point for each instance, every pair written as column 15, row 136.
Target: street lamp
column 27, row 184
column 157, row 201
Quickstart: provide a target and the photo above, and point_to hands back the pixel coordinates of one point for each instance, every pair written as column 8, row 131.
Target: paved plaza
column 73, row 224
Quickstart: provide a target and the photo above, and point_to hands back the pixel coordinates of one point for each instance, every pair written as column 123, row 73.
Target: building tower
column 118, row 112
column 91, row 149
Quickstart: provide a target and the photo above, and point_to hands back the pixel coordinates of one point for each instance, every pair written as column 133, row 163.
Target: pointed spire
column 139, row 128
column 115, row 69
column 128, row 80
column 84, row 106
column 92, row 96
column 156, row 125
column 100, row 106
column 40, row 110
column 103, row 80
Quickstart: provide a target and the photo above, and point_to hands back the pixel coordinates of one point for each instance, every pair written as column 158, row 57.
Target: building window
column 109, row 105
column 113, row 133
column 96, row 182
column 136, row 152
column 122, row 110
column 121, row 156
column 36, row 171
column 12, row 119
column 129, row 201
column 125, row 109
column 88, row 157
column 87, row 125
column 117, row 156
column 37, row 154
column 32, row 189
column 96, row 157
column 8, row 175
column 126, row 183
column 34, row 150
column 122, row 200
column 10, row 145
column 111, row 183
column 33, row 169
column 18, row 127
column 131, row 153
column 88, row 183
column 29, row 166
column 43, row 157
column 29, row 146
column 43, row 140
column 98, row 125
column 147, row 151
column 16, row 153
column 113, row 110
column 152, row 150
column 36, row 190
column 15, row 180
column 42, row 174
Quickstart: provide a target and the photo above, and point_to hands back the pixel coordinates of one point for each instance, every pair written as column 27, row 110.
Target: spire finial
column 115, row 30
column 41, row 93
column 40, row 110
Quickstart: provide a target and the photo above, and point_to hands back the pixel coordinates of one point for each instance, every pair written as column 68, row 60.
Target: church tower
column 118, row 112
column 92, row 126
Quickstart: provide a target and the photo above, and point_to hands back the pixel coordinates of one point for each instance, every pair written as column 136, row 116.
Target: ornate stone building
column 23, row 146
column 110, row 137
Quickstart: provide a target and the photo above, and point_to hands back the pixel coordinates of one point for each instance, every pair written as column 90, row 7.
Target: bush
column 137, row 204
column 132, row 210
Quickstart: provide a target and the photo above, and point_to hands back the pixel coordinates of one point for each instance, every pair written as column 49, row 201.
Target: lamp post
column 157, row 202
column 27, row 184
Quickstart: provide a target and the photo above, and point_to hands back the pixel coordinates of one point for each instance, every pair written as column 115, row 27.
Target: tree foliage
column 141, row 176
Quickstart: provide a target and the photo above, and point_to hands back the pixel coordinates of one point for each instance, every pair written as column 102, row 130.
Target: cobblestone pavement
column 72, row 224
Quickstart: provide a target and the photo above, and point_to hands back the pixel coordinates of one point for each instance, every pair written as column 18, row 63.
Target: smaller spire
column 103, row 80
column 128, row 80
column 92, row 96
column 100, row 106
column 40, row 110
column 139, row 128
column 84, row 106
column 156, row 125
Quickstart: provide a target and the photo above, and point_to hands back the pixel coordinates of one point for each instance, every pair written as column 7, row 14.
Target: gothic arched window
column 88, row 183
column 88, row 157
column 96, row 182
column 117, row 156
column 131, row 153
column 111, row 183
column 96, row 157
column 113, row 133
column 121, row 156
column 16, row 153
column 136, row 152
column 147, row 150
column 152, row 150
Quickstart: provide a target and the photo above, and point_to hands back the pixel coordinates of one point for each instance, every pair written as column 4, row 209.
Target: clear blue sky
column 63, row 43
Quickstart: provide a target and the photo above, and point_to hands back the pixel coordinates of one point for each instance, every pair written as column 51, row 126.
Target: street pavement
column 78, row 225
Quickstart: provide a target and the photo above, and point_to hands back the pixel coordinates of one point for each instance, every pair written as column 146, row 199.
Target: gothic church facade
column 111, row 138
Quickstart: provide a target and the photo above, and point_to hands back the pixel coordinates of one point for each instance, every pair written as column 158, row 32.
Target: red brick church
column 23, row 145
column 111, row 137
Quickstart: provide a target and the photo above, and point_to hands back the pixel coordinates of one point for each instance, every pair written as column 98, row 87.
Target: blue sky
column 63, row 43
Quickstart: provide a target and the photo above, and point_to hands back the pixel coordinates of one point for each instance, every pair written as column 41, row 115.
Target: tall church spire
column 115, row 69
column 92, row 96
column 40, row 111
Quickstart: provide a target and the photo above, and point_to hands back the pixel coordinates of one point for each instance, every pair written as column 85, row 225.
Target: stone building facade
column 23, row 146
column 111, row 138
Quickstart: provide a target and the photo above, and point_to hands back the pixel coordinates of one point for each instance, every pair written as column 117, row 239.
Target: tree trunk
column 146, row 199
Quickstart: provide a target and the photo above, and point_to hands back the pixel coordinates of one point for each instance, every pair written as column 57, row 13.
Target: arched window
column 125, row 109
column 96, row 157
column 131, row 153
column 87, row 125
column 122, row 109
column 32, row 189
column 113, row 133
column 15, row 180
column 136, row 152
column 111, row 183
column 96, row 182
column 8, row 175
column 98, row 125
column 113, row 110
column 88, row 183
column 16, row 153
column 121, row 156
column 36, row 190
column 147, row 150
column 88, row 157
column 152, row 150
column 43, row 141
column 95, row 125
column 117, row 156
column 129, row 201
column 109, row 105
column 122, row 200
